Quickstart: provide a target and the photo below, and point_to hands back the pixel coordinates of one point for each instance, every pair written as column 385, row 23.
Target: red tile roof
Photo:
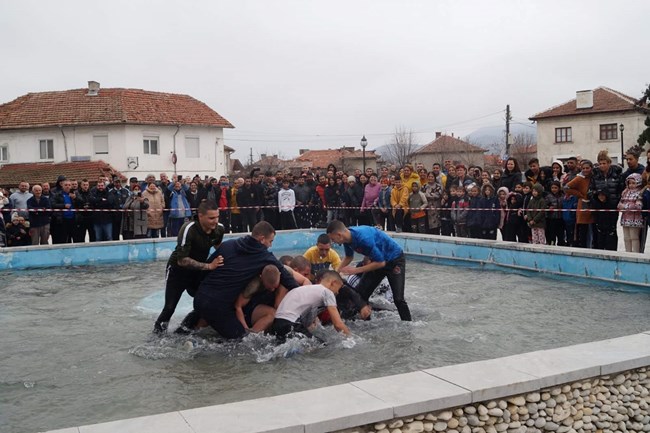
column 322, row 158
column 12, row 174
column 110, row 106
column 447, row 143
column 606, row 100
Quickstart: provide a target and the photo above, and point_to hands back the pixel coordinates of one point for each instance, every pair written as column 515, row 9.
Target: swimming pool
column 77, row 347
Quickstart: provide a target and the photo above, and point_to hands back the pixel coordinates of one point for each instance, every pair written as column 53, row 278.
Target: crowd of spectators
column 572, row 203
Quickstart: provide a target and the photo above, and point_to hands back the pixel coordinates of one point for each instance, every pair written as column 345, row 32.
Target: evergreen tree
column 644, row 137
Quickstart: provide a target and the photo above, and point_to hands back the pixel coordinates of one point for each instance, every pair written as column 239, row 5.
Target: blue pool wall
column 629, row 270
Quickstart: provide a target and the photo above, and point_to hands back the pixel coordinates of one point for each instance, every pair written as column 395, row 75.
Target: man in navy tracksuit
column 243, row 259
column 386, row 260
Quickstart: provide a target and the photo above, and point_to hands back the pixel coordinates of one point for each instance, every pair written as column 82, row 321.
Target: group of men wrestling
column 242, row 287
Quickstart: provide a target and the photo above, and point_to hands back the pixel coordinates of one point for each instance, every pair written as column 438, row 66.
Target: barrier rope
column 83, row 210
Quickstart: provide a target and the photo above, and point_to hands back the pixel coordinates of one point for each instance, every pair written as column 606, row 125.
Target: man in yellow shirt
column 322, row 256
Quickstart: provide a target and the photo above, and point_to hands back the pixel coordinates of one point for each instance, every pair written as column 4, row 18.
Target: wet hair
column 262, row 228
column 323, row 239
column 327, row 275
column 207, row 206
column 286, row 260
column 299, row 262
column 335, row 226
column 270, row 274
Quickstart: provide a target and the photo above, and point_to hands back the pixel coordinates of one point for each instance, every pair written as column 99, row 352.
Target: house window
column 151, row 146
column 46, row 148
column 100, row 142
column 563, row 135
column 609, row 131
column 4, row 153
column 192, row 147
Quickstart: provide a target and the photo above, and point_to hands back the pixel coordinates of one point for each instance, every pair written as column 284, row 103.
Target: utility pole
column 250, row 158
column 508, row 119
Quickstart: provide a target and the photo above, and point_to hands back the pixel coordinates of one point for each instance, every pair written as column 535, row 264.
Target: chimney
column 263, row 155
column 584, row 99
column 452, row 135
column 301, row 151
column 93, row 88
column 438, row 134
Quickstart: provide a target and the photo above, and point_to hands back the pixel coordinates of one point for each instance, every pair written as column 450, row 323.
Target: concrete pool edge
column 629, row 269
column 375, row 400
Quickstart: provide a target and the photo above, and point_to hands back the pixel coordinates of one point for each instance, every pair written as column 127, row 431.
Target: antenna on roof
column 93, row 88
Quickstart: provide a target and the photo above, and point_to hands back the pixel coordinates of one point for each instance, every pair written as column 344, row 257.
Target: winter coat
column 105, row 201
column 417, row 203
column 536, row 212
column 509, row 180
column 180, row 207
column 610, row 183
column 433, row 193
column 370, row 194
column 134, row 220
column 474, row 216
column 491, row 218
column 580, row 187
column 41, row 217
column 399, row 197
column 631, row 204
column 553, row 206
column 156, row 202
column 459, row 210
column 332, row 197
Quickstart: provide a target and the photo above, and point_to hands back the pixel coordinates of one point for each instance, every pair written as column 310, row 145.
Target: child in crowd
column 417, row 205
column 287, row 203
column 526, row 192
column 631, row 218
column 514, row 224
column 502, row 194
column 474, row 215
column 459, row 211
column 535, row 216
column 446, row 224
column 605, row 222
column 399, row 198
column 569, row 207
column 554, row 222
column 491, row 217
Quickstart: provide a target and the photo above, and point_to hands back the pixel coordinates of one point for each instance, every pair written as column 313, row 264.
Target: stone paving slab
column 171, row 422
column 487, row 379
column 250, row 416
column 334, row 408
column 414, row 393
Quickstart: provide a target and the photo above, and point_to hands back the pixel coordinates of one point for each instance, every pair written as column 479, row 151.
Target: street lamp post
column 622, row 127
column 364, row 143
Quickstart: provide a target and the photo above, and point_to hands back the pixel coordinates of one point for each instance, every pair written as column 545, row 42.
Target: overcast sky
column 320, row 74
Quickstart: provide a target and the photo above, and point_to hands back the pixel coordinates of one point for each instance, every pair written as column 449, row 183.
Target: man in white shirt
column 300, row 307
column 287, row 202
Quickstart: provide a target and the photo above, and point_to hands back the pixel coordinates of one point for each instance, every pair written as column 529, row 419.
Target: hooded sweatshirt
column 243, row 259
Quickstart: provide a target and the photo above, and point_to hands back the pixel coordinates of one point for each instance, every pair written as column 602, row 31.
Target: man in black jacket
column 104, row 204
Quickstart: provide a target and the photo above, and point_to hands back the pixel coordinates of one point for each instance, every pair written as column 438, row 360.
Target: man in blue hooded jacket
column 243, row 259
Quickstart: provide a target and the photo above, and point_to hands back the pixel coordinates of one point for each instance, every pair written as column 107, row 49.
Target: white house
column 588, row 124
column 135, row 131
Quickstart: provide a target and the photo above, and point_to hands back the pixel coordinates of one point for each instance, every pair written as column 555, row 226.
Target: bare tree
column 524, row 148
column 401, row 146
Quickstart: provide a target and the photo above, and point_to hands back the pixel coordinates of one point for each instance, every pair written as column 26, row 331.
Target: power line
column 324, row 136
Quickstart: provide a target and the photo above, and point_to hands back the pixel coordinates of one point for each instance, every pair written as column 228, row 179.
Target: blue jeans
column 103, row 232
column 153, row 233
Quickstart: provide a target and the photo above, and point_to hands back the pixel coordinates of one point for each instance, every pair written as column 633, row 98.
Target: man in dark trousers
column 189, row 261
column 242, row 258
column 386, row 260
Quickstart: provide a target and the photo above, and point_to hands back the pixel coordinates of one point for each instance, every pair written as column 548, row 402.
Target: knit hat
column 558, row 162
column 503, row 188
column 352, row 179
column 538, row 187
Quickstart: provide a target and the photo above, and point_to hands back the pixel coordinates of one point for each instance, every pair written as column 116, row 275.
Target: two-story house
column 599, row 119
column 135, row 131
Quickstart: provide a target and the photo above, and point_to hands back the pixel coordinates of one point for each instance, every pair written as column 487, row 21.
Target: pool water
column 77, row 346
